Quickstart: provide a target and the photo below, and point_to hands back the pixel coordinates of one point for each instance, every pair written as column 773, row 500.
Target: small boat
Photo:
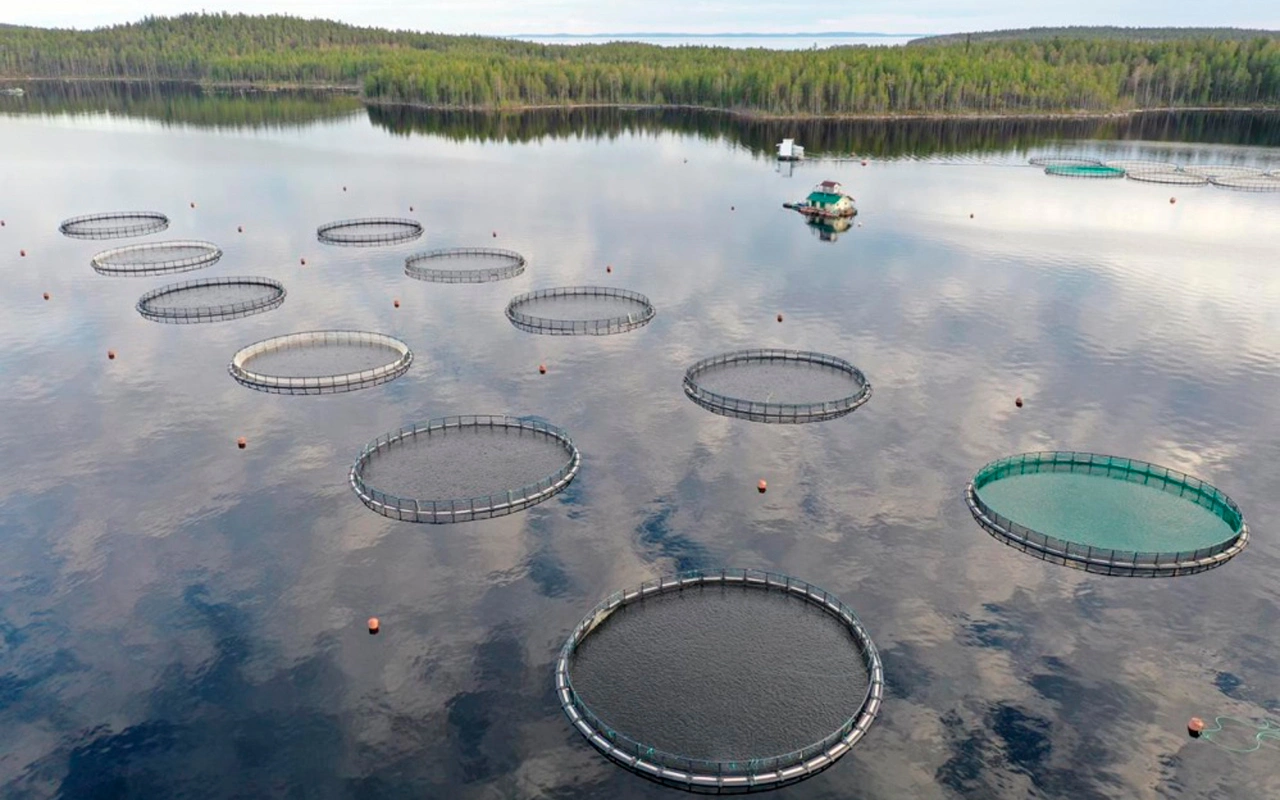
column 15, row 91
column 827, row 200
column 788, row 150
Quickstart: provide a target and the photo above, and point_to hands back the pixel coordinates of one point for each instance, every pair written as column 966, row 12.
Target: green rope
column 1268, row 730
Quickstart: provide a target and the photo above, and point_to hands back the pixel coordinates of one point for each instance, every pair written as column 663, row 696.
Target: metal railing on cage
column 767, row 410
column 603, row 325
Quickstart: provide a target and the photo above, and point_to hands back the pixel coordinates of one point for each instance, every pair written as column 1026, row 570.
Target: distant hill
column 1085, row 71
column 1098, row 32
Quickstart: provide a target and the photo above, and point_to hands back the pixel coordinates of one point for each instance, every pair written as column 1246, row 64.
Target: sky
column 498, row 17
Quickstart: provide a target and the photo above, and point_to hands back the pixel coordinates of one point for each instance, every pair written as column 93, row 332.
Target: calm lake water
column 180, row 618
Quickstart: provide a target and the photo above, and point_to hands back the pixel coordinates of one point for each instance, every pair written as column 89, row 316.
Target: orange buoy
column 111, row 355
column 46, row 295
column 762, row 486
column 374, row 626
column 239, row 229
column 1017, row 401
column 779, row 318
column 396, row 302
column 864, row 162
column 1172, row 200
column 1195, row 727
column 242, row 443
column 542, row 369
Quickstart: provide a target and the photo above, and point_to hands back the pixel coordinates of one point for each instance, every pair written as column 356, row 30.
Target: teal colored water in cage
column 1105, row 512
column 1084, row 171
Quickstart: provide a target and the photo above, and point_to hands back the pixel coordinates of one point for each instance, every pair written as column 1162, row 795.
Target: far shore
column 741, row 113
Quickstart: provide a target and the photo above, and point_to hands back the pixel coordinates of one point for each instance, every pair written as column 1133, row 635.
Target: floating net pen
column 463, row 468
column 1223, row 170
column 580, row 310
column 1106, row 514
column 369, row 231
column 1063, row 161
column 114, row 225
column 1248, row 183
column 1169, row 178
column 1083, row 171
column 721, row 681
column 211, row 299
column 464, row 265
column 1131, row 165
column 321, row 362
column 770, row 385
column 156, row 258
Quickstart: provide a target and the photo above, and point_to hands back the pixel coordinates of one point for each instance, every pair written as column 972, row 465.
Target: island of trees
column 1042, row 72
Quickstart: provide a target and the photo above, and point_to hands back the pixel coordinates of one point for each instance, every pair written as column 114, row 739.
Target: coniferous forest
column 1031, row 75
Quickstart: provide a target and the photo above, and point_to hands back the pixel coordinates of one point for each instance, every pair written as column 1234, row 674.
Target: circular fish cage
column 464, row 265
column 114, row 225
column 1213, row 171
column 1106, row 514
column 369, row 231
column 1248, row 183
column 1169, row 178
column 1063, row 161
column 1132, row 165
column 156, row 258
column 211, row 299
column 580, row 310
column 458, row 469
column 768, row 385
column 721, row 681
column 1083, row 171
column 320, row 362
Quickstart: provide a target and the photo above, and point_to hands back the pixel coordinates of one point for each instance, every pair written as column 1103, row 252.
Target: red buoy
column 1172, row 200
column 302, row 261
column 1017, row 401
column 374, row 626
column 495, row 234
column 762, row 486
column 1195, row 727
column 410, row 208
column 971, row 215
column 193, row 205
column 239, row 229
column 111, row 355
column 46, row 295
column 609, row 269
column 396, row 302
column 733, row 208
column 864, row 162
column 242, row 443
column 22, row 253
column 1, row 223
column 542, row 369
column 344, row 188
column 779, row 318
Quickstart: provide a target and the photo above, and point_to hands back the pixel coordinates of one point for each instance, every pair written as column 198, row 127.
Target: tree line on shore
column 1037, row 75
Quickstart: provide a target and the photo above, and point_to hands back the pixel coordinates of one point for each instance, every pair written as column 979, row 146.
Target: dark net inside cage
column 734, row 674
column 114, row 225
column 1169, row 178
column 211, row 299
column 464, row 265
column 1107, row 514
column 456, row 469
column 369, row 231
column 1063, row 161
column 157, row 258
column 321, row 362
column 590, row 310
column 1083, row 171
column 770, row 385
column 1248, row 183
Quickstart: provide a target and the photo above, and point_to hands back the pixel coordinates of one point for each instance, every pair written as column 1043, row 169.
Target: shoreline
column 748, row 114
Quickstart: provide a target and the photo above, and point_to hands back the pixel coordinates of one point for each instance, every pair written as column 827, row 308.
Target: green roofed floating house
column 827, row 200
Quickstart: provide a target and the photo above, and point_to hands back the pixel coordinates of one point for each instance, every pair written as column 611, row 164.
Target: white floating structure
column 788, row 150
